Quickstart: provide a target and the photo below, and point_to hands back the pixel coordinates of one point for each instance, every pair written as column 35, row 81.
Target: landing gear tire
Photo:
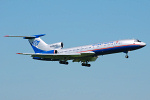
column 63, row 62
column 83, row 64
column 126, row 56
column 66, row 63
column 87, row 65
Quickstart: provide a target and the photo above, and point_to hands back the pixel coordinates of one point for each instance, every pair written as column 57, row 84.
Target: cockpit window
column 137, row 40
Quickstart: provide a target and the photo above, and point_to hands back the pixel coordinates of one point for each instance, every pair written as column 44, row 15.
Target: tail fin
column 36, row 42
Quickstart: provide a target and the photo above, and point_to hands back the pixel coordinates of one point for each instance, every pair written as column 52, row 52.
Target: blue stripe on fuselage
column 116, row 49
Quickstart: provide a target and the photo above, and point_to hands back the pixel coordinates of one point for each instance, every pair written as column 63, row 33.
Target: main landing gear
column 63, row 62
column 86, row 64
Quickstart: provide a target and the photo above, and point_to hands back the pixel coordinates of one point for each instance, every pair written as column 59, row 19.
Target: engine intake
column 55, row 51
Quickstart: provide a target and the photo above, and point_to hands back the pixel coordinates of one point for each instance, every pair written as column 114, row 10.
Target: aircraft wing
column 76, row 57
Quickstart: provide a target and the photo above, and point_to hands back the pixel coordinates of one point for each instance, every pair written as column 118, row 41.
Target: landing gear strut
column 86, row 64
column 126, row 55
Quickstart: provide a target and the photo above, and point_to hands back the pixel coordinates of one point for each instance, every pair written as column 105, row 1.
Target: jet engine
column 58, row 45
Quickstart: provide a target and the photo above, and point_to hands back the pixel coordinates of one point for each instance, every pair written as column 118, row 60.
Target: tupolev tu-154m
column 83, row 54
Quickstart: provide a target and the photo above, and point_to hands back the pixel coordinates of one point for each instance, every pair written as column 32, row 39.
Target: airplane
column 83, row 54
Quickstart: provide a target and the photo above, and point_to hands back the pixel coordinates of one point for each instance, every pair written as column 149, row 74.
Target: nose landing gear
column 126, row 56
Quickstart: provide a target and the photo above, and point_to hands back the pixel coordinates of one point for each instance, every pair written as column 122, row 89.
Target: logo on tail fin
column 35, row 43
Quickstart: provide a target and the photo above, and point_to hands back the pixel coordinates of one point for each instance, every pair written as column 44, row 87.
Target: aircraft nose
column 143, row 44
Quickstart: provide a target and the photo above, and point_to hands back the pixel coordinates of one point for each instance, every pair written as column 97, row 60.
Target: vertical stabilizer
column 39, row 45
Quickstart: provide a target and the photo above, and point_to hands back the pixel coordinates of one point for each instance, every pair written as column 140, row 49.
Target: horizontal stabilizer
column 27, row 37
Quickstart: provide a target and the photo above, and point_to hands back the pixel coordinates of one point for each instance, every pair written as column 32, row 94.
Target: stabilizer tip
column 6, row 36
column 18, row 53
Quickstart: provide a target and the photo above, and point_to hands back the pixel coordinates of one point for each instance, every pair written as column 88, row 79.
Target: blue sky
column 76, row 23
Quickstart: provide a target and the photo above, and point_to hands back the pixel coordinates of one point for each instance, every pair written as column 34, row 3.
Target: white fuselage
column 106, row 47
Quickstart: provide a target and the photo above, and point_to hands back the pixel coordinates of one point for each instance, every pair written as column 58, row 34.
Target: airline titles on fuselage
column 94, row 46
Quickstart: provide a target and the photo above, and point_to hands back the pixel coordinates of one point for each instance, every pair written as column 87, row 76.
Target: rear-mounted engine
column 58, row 45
